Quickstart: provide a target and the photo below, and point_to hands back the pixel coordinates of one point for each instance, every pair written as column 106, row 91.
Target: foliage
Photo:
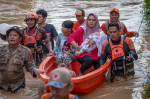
column 146, row 91
column 146, row 7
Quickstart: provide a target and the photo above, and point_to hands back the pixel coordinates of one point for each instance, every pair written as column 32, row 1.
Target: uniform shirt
column 12, row 64
column 51, row 33
column 76, row 25
column 129, row 34
column 40, row 34
column 127, row 47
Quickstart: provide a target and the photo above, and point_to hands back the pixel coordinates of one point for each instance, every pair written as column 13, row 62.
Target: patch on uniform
column 117, row 50
column 56, row 76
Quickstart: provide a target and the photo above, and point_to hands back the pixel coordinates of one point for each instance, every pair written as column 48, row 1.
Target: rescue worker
column 3, row 28
column 118, row 48
column 33, row 36
column 80, row 14
column 114, row 17
column 49, row 28
column 60, row 85
column 13, row 59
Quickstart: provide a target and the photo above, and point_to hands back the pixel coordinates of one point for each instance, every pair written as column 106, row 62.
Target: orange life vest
column 121, row 26
column 47, row 96
column 117, row 50
column 30, row 39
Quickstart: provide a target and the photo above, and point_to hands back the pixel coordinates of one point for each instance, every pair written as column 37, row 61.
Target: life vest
column 49, row 96
column 30, row 39
column 117, row 50
column 121, row 25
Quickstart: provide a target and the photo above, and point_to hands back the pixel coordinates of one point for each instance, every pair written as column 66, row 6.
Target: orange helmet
column 31, row 15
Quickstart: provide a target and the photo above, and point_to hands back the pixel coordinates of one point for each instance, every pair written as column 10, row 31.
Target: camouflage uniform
column 12, row 66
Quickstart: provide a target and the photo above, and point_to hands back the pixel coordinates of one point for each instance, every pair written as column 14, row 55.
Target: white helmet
column 3, row 28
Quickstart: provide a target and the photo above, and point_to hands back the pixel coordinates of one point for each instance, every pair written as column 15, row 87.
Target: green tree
column 146, row 7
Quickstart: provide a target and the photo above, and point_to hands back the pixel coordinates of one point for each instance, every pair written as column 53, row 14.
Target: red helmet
column 31, row 15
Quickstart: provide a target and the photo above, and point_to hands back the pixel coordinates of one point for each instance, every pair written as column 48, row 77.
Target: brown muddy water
column 13, row 13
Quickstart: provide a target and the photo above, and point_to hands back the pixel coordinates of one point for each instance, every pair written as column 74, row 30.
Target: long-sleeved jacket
column 12, row 66
column 128, row 46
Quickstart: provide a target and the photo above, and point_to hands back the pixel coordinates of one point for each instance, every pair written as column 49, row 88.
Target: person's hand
column 91, row 43
column 37, row 71
column 77, row 53
column 78, row 48
column 136, row 34
column 108, row 60
column 51, row 53
column 67, row 52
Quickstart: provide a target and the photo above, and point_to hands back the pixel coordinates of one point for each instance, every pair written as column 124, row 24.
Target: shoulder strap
column 106, row 26
column 122, row 27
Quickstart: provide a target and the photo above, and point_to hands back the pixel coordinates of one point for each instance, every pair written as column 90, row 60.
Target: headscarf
column 88, row 30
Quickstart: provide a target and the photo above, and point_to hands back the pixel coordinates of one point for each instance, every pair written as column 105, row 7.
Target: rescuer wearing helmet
column 33, row 36
column 14, row 58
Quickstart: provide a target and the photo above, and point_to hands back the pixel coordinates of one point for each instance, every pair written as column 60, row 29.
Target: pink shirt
column 77, row 36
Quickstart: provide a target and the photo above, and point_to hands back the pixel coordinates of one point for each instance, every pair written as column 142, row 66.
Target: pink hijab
column 88, row 30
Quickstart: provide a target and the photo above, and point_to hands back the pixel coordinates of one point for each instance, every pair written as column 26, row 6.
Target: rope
column 133, row 57
column 139, row 28
column 140, row 68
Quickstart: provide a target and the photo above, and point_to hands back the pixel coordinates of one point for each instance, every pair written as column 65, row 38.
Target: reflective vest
column 49, row 96
column 121, row 25
column 117, row 50
column 30, row 39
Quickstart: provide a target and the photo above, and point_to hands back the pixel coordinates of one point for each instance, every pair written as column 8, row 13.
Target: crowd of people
column 84, row 40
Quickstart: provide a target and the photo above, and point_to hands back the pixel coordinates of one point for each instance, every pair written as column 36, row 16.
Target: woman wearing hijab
column 91, row 25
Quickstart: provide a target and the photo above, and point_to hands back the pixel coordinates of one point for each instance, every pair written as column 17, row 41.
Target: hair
column 43, row 12
column 68, row 24
column 113, row 24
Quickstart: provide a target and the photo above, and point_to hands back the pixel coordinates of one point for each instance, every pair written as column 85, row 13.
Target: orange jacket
column 76, row 25
column 129, row 34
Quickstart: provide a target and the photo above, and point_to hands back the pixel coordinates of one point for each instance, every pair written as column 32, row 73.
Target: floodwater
column 13, row 13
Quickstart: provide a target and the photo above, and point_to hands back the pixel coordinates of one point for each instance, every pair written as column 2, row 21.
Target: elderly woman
column 91, row 25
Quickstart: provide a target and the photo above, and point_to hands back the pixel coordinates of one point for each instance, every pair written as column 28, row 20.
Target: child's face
column 66, row 31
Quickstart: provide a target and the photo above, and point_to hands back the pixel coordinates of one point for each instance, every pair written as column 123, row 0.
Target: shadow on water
column 13, row 13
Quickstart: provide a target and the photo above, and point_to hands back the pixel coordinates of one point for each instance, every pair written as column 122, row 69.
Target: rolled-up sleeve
column 76, row 36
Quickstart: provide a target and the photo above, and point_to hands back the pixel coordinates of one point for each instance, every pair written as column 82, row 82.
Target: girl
column 64, row 52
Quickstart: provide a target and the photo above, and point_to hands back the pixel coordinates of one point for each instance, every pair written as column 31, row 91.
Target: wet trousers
column 87, row 62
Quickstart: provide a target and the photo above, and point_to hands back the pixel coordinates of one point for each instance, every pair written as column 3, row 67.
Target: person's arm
column 46, row 39
column 76, row 38
column 104, row 53
column 29, row 63
column 77, row 47
column 131, row 33
column 132, row 49
column 48, row 45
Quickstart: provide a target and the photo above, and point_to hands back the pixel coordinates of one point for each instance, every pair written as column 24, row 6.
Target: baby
column 98, row 37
